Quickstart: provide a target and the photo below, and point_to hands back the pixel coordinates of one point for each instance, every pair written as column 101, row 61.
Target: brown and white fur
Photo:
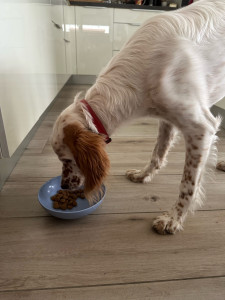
column 172, row 68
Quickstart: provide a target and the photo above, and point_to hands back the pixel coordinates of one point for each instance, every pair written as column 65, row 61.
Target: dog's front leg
column 165, row 140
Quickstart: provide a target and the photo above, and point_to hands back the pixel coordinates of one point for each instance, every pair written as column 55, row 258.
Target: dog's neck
column 101, row 110
column 112, row 110
column 93, row 121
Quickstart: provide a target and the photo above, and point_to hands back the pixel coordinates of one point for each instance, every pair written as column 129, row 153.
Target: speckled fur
column 172, row 68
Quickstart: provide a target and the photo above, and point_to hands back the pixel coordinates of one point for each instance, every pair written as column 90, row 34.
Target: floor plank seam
column 113, row 213
column 25, row 179
column 115, row 284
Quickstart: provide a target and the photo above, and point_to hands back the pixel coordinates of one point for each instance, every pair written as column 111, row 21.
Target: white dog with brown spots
column 172, row 68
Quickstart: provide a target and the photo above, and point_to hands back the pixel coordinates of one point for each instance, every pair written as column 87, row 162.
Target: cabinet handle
column 133, row 24
column 99, row 7
column 67, row 41
column 56, row 25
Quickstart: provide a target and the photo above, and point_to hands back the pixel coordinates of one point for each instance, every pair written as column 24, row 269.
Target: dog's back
column 196, row 31
column 200, row 22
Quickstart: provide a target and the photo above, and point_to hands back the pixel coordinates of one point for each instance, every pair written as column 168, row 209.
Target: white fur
column 172, row 68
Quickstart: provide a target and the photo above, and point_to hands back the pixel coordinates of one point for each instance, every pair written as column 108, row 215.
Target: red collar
column 97, row 122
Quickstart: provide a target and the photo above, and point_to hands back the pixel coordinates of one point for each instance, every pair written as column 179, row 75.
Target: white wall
column 30, row 73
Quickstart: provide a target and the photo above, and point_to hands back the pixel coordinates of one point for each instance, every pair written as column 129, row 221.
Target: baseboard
column 82, row 79
column 216, row 110
column 7, row 164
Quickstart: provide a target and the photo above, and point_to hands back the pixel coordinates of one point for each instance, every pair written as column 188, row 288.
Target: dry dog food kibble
column 65, row 199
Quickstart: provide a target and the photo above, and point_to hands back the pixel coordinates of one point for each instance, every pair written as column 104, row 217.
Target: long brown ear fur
column 89, row 153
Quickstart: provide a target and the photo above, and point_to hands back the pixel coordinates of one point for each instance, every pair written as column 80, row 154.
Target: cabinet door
column 58, row 37
column 134, row 15
column 122, row 32
column 94, row 32
column 27, row 67
column 69, row 39
column 126, row 22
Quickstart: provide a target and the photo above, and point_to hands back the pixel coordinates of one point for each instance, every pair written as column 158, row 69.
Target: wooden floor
column 113, row 253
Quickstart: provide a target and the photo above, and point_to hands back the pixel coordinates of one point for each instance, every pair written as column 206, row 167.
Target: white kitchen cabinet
column 137, row 16
column 57, row 11
column 115, row 52
column 58, row 37
column 31, row 66
column 69, row 39
column 122, row 32
column 126, row 22
column 94, row 38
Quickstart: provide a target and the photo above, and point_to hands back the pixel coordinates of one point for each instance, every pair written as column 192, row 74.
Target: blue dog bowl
column 82, row 209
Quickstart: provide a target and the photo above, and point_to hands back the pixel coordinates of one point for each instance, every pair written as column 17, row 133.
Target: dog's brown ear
column 89, row 153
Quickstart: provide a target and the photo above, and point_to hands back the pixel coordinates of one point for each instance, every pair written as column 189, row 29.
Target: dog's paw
column 166, row 224
column 138, row 176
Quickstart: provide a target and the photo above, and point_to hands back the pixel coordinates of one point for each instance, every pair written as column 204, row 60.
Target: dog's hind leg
column 200, row 139
column 166, row 137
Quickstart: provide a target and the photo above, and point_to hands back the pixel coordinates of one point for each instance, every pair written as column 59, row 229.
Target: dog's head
column 81, row 152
